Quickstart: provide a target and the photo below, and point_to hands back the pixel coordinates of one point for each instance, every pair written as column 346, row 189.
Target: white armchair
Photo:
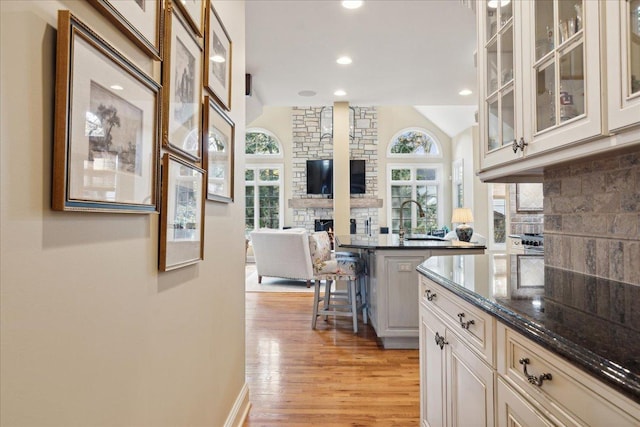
column 282, row 253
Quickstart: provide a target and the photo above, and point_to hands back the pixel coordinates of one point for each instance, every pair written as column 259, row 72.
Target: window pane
column 545, row 98
column 414, row 142
column 269, row 174
column 249, row 175
column 400, row 193
column 269, row 202
column 425, row 174
column 427, row 195
column 571, row 84
column 249, row 209
column 261, row 143
column 400, row 174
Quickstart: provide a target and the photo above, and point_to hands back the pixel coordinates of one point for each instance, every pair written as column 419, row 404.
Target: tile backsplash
column 592, row 217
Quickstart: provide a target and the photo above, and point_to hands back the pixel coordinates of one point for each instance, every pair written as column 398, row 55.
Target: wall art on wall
column 218, row 151
column 140, row 20
column 218, row 60
column 193, row 11
column 182, row 119
column 181, row 215
column 107, row 136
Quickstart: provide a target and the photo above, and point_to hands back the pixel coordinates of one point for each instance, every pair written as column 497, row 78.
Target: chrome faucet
column 421, row 213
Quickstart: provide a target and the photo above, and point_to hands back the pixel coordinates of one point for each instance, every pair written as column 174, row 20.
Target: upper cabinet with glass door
column 551, row 97
column 623, row 60
column 499, row 80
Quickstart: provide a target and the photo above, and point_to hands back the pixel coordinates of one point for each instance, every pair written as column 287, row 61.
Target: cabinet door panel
column 469, row 387
column 515, row 411
column 432, row 371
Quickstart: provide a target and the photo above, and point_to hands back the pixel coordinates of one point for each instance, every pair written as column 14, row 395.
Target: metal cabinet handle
column 440, row 341
column 532, row 378
column 430, row 296
column 465, row 325
column 519, row 144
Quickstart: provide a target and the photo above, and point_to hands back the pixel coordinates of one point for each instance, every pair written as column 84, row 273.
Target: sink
column 423, row 237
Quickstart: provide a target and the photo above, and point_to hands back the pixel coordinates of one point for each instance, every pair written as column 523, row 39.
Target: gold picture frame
column 218, row 60
column 181, row 214
column 182, row 84
column 106, row 136
column 218, row 152
column 139, row 20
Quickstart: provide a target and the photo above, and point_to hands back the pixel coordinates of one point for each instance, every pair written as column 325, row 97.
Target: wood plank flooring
column 324, row 377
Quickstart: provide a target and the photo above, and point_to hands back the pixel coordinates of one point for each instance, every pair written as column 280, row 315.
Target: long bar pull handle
column 465, row 325
column 532, row 378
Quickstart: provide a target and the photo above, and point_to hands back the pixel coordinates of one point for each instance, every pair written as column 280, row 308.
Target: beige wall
column 92, row 334
column 391, row 120
column 277, row 120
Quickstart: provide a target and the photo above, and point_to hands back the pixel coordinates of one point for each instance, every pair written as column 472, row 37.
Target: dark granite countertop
column 392, row 241
column 592, row 322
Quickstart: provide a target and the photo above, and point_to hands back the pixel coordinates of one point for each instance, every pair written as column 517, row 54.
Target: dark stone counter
column 592, row 322
column 392, row 241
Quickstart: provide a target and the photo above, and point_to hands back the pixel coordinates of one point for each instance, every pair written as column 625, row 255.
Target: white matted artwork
column 218, row 60
column 181, row 215
column 106, row 126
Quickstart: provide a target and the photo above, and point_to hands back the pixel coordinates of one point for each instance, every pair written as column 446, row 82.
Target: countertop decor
column 592, row 322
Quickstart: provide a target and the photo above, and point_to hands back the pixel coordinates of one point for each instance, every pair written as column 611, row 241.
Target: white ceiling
column 417, row 52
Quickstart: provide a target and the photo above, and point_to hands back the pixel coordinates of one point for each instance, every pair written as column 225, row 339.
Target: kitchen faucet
column 421, row 213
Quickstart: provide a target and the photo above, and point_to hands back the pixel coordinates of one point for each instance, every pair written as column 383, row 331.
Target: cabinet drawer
column 473, row 325
column 572, row 395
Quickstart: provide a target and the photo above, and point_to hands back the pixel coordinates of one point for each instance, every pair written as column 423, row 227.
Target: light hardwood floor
column 324, row 377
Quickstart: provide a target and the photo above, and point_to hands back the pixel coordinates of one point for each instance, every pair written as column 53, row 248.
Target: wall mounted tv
column 320, row 177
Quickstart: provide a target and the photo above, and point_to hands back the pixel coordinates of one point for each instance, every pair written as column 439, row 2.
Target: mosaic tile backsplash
column 592, row 217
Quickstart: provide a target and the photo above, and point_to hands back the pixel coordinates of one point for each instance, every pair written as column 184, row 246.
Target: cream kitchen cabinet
column 623, row 62
column 543, row 95
column 555, row 389
column 457, row 384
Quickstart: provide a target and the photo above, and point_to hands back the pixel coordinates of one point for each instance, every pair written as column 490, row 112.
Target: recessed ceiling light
column 218, row 58
column 465, row 92
column 352, row 4
column 340, row 92
column 307, row 93
column 116, row 87
column 344, row 60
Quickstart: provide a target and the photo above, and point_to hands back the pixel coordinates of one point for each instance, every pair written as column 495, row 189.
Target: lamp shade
column 462, row 216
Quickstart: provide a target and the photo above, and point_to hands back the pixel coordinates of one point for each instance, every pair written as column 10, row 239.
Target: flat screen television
column 320, row 177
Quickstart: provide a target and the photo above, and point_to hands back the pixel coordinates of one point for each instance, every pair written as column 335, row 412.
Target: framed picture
column 181, row 215
column 193, row 10
column 140, row 20
column 182, row 83
column 529, row 197
column 218, row 152
column 106, row 126
column 217, row 72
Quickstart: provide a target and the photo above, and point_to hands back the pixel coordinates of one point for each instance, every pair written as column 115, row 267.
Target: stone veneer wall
column 307, row 145
column 523, row 222
column 592, row 217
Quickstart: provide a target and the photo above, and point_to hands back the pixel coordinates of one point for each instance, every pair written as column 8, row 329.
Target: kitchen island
column 526, row 341
column 392, row 279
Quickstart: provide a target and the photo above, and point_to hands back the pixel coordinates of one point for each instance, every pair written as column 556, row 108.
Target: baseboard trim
column 240, row 409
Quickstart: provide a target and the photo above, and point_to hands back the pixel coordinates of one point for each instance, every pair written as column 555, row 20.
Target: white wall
column 91, row 333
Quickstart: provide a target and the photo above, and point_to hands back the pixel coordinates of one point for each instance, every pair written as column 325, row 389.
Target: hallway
column 327, row 377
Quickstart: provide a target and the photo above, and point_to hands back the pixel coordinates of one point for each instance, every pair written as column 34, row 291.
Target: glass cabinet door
column 634, row 48
column 499, row 84
column 558, row 62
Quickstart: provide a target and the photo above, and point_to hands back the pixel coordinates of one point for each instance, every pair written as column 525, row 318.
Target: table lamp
column 462, row 216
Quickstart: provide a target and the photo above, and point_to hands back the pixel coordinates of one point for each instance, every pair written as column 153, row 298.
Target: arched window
column 264, row 181
column 411, row 178
column 261, row 142
column 414, row 142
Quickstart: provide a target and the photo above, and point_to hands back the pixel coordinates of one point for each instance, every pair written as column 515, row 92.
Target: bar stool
column 349, row 268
